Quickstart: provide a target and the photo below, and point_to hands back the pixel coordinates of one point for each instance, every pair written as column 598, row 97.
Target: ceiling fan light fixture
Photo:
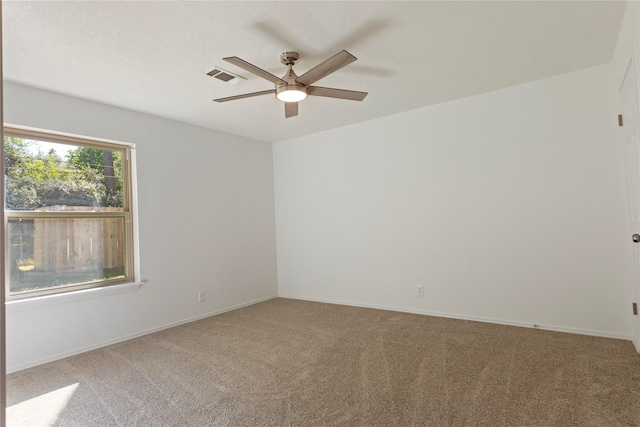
column 291, row 93
column 292, row 89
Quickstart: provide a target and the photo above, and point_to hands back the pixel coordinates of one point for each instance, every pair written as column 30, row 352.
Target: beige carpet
column 296, row 363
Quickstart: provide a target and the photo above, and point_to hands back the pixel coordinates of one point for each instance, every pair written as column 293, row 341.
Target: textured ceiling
column 152, row 56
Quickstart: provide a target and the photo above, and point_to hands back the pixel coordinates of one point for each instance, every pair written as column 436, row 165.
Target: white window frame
column 128, row 214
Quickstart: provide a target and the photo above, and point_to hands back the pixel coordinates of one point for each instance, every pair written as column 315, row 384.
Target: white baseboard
column 555, row 328
column 30, row 364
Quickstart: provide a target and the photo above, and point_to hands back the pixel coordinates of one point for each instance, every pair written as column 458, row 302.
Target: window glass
column 68, row 219
column 47, row 175
column 49, row 253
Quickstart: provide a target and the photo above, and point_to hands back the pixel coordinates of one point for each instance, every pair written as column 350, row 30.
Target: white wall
column 505, row 206
column 206, row 214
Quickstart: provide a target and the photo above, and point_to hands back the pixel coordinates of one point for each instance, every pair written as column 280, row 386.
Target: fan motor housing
column 290, row 78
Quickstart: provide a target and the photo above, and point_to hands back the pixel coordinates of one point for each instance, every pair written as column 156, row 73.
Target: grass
column 31, row 280
column 26, row 264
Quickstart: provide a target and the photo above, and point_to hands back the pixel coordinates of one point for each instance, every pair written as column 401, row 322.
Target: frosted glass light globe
column 291, row 95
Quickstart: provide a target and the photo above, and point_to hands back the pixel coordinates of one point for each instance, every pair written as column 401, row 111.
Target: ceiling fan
column 292, row 89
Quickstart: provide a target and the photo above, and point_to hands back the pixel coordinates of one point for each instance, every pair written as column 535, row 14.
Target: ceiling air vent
column 225, row 76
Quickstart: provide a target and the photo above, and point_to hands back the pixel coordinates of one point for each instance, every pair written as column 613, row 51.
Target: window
column 68, row 213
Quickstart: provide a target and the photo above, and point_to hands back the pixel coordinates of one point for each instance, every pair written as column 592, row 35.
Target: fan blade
column 253, row 69
column 352, row 95
column 290, row 109
column 329, row 66
column 246, row 95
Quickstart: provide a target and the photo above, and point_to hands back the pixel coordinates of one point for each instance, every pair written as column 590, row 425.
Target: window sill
column 43, row 301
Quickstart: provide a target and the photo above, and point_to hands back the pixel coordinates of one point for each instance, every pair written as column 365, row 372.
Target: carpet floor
column 296, row 363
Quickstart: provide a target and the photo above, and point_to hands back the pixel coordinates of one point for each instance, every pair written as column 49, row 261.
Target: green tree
column 38, row 180
column 16, row 150
column 106, row 166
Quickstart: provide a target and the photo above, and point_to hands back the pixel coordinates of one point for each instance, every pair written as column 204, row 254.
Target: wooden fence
column 79, row 244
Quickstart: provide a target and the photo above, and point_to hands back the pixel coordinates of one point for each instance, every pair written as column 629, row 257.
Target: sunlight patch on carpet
column 41, row 410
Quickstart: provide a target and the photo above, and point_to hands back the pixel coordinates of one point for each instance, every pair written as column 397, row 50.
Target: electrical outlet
column 202, row 296
column 420, row 290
